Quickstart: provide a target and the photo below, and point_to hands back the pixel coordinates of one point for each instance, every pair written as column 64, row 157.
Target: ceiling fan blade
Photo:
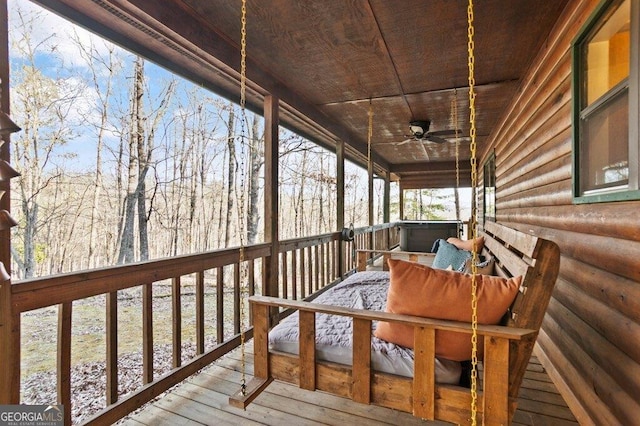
column 445, row 133
column 436, row 139
column 405, row 141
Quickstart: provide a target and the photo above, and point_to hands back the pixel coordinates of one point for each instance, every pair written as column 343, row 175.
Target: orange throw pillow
column 419, row 290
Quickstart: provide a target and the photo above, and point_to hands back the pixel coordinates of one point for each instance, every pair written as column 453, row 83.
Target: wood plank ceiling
column 327, row 59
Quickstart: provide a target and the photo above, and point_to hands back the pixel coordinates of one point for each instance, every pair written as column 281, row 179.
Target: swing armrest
column 412, row 256
column 499, row 331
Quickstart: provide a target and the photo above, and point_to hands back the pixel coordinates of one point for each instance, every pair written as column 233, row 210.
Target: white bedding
column 363, row 290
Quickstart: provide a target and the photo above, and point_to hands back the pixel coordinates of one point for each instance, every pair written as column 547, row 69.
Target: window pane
column 605, row 145
column 607, row 54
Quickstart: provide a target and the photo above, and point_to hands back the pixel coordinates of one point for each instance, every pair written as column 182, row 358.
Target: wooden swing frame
column 507, row 347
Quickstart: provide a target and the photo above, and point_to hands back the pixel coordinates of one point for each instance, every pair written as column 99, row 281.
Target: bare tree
column 43, row 106
column 102, row 69
column 140, row 153
column 231, row 171
column 256, row 155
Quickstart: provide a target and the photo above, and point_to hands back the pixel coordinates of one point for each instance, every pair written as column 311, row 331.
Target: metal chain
column 472, row 227
column 454, row 124
column 243, row 118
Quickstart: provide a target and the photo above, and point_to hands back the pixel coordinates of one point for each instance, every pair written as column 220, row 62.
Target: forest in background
column 122, row 161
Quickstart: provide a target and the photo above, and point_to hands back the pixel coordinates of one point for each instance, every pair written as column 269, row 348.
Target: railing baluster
column 310, row 270
column 200, row 312
column 302, row 274
column 329, row 261
column 219, row 305
column 64, row 359
column 176, row 321
column 112, row 347
column 147, row 333
column 294, row 275
column 316, row 259
column 283, row 275
column 323, row 267
column 252, row 284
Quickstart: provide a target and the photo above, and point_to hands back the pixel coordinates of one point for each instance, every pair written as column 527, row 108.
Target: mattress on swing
column 363, row 290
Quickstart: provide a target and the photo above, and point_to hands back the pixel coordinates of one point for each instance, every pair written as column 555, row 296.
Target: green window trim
column 489, row 188
column 632, row 190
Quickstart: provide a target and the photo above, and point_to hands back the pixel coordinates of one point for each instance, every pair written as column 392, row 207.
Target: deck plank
column 203, row 399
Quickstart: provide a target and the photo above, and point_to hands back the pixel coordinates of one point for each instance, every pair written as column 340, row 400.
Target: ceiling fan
column 419, row 130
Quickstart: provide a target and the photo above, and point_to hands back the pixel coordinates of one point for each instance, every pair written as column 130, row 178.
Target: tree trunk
column 145, row 153
column 256, row 154
column 126, row 253
column 231, row 172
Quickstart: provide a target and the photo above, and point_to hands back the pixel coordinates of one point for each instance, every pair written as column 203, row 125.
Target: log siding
column 589, row 338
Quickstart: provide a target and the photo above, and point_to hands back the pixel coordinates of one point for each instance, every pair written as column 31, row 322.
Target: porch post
column 271, row 229
column 386, row 209
column 340, row 203
column 401, row 201
column 371, row 211
column 9, row 322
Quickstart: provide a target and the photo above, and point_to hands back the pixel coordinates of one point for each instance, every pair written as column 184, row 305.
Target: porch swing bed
column 366, row 370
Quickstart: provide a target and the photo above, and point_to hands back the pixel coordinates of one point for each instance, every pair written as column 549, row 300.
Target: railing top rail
column 51, row 290
column 48, row 291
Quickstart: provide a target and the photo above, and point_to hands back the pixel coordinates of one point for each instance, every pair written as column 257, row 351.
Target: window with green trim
column 489, row 183
column 605, row 119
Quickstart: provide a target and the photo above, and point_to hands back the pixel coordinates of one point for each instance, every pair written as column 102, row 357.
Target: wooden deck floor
column 203, row 399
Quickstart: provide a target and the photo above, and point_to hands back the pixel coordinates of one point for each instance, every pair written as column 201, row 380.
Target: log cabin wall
column 590, row 338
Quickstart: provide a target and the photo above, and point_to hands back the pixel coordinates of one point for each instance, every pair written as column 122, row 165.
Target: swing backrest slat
column 538, row 261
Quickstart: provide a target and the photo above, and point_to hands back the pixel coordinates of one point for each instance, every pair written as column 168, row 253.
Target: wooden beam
column 307, row 350
column 63, row 359
column 9, row 321
column 370, row 185
column 433, row 166
column 242, row 398
column 10, row 348
column 147, row 333
column 271, row 230
column 496, row 381
column 200, row 312
column 386, row 208
column 219, row 305
column 401, row 201
column 112, row 347
column 424, row 373
column 386, row 212
column 362, row 361
column 176, row 319
column 340, row 202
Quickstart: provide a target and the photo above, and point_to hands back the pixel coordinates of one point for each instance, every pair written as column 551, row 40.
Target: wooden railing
column 306, row 266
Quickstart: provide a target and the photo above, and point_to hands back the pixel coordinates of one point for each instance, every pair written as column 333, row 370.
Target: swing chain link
column 454, row 124
column 473, row 224
column 243, row 98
